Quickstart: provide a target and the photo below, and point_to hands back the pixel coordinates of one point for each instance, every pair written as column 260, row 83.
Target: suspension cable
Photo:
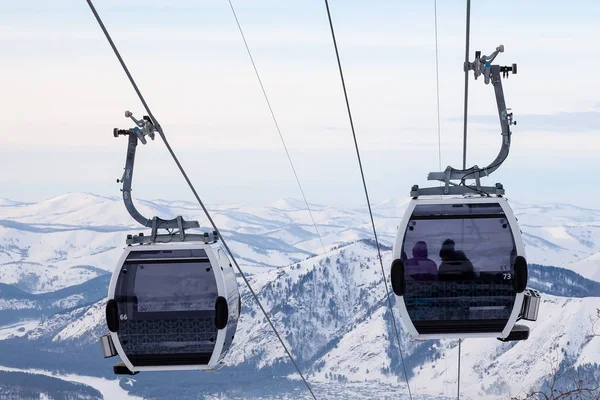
column 466, row 107
column 458, row 380
column 163, row 137
column 362, row 174
column 468, row 34
column 437, row 82
column 277, row 126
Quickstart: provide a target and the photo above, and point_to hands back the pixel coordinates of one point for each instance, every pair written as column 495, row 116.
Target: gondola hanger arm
column 492, row 73
column 145, row 128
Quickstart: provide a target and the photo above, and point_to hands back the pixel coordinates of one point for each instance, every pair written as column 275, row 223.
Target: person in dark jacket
column 419, row 266
column 455, row 264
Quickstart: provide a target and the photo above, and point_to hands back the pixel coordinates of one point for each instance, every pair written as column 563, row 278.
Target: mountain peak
column 10, row 203
column 290, row 204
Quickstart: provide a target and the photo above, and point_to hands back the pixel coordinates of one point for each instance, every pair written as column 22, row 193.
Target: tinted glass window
column 175, row 287
column 463, row 238
column 166, row 309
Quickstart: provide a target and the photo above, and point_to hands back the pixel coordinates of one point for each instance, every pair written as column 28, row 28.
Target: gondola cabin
column 172, row 306
column 459, row 268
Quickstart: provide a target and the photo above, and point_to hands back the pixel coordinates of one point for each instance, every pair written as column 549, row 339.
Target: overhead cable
column 277, row 126
column 437, row 82
column 458, row 379
column 466, row 105
column 362, row 174
column 214, row 226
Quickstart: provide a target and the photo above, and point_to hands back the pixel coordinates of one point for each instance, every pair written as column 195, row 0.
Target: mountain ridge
column 332, row 311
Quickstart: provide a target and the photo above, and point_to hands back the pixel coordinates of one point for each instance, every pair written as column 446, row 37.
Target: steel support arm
column 493, row 74
column 156, row 222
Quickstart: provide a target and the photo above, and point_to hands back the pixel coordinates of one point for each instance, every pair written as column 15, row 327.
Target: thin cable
column 446, row 373
column 362, row 174
column 162, row 135
column 458, row 391
column 437, row 81
column 277, row 125
column 468, row 34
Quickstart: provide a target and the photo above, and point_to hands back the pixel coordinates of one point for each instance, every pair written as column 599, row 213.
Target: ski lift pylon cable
column 437, row 82
column 237, row 21
column 163, row 137
column 466, row 105
column 458, row 379
column 362, row 174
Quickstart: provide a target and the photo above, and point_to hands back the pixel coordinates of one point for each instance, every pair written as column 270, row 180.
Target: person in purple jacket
column 420, row 267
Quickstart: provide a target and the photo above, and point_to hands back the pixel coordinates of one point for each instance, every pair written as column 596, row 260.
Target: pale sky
column 62, row 91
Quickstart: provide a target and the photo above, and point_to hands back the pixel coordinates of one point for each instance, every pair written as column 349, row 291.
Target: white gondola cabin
column 173, row 300
column 173, row 306
column 459, row 269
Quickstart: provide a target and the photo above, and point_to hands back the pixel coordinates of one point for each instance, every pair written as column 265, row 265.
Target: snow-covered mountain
column 72, row 238
column 332, row 311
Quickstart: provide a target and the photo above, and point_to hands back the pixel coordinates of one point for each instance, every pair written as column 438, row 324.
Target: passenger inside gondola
column 420, row 267
column 455, row 265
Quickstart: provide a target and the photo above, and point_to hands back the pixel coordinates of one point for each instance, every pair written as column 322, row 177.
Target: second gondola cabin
column 172, row 306
column 459, row 268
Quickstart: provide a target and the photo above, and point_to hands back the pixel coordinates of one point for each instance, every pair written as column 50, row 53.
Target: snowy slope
column 559, row 234
column 491, row 369
column 356, row 343
column 332, row 313
column 589, row 267
column 110, row 389
column 334, row 317
column 77, row 236
column 327, row 299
